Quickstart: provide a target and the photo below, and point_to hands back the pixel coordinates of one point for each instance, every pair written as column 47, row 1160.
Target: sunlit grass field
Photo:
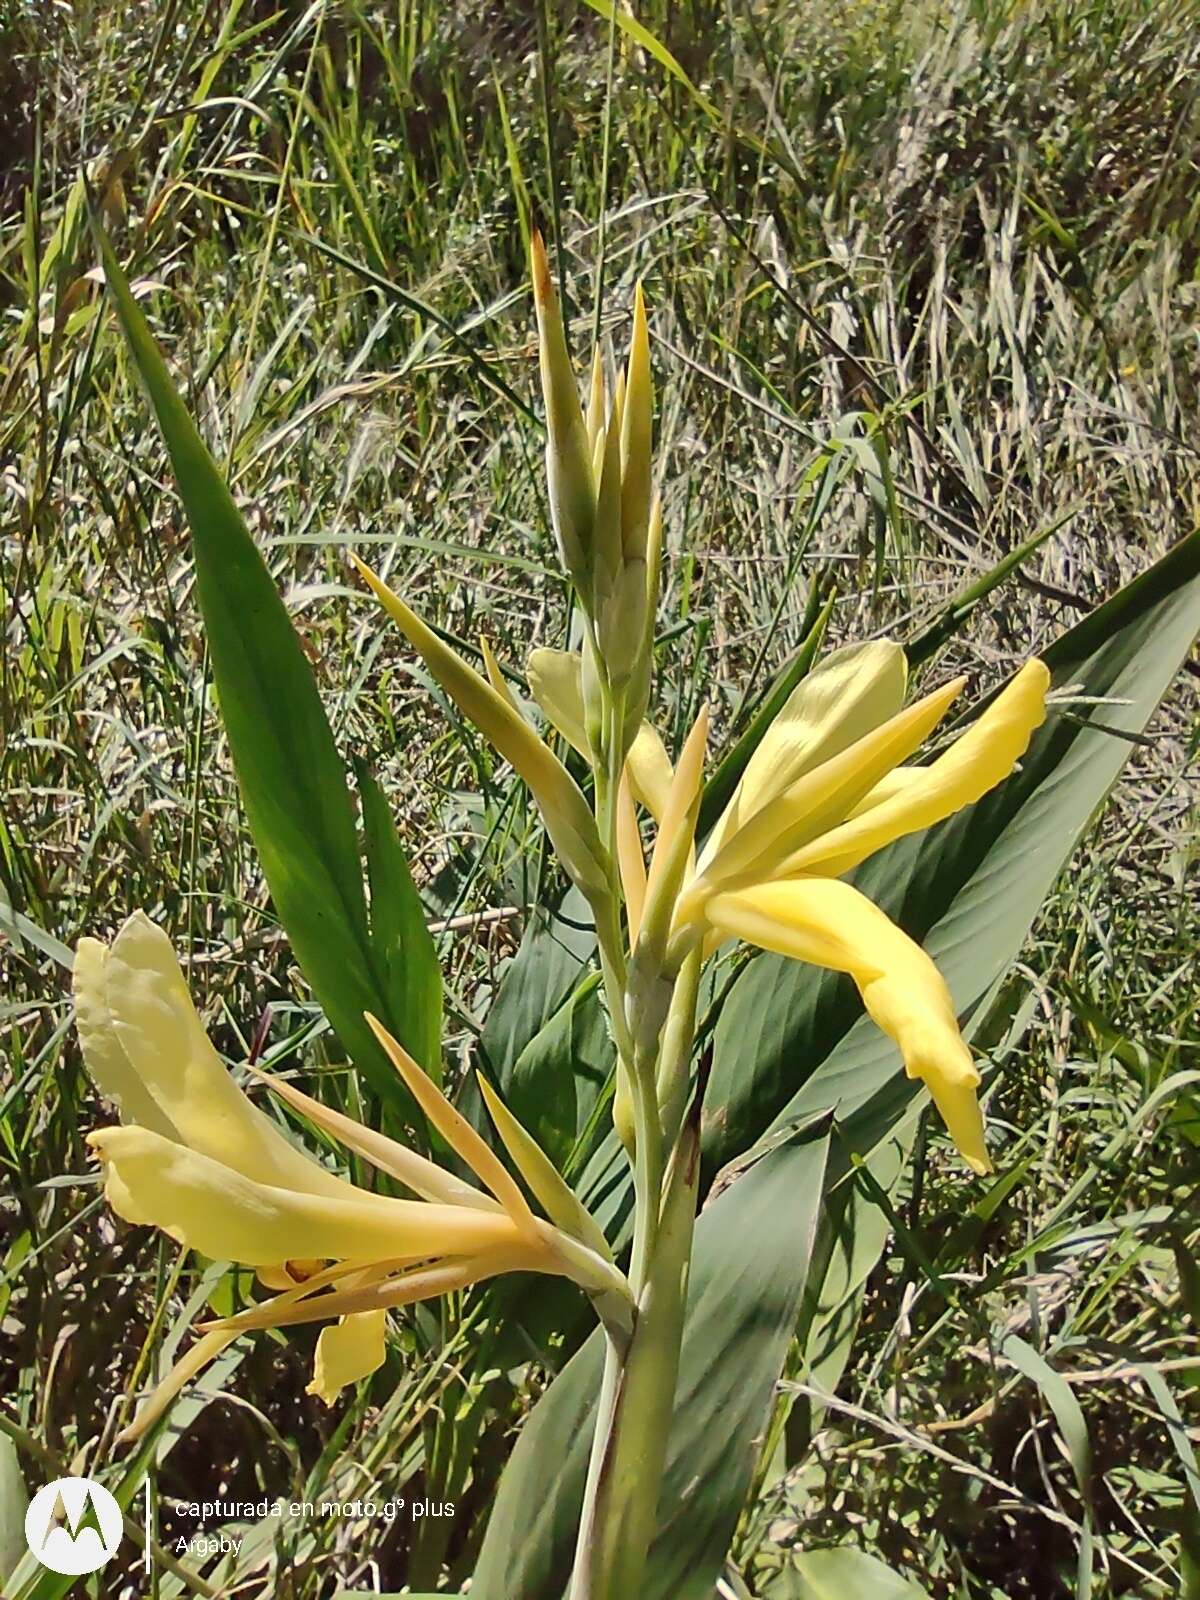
column 923, row 284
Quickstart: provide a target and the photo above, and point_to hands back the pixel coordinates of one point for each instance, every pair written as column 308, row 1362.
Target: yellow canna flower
column 824, row 790
column 196, row 1159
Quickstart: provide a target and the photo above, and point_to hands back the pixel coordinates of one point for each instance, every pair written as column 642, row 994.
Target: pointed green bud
column 636, row 438
column 568, row 458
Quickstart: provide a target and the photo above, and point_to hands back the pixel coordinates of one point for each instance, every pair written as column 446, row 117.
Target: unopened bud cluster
column 606, row 523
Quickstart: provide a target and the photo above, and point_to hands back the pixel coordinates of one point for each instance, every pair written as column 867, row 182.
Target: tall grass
column 923, row 284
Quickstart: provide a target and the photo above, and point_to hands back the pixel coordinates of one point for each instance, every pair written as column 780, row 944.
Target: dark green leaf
column 841, row 1574
column 289, row 772
column 559, row 1075
column 556, row 947
column 405, row 956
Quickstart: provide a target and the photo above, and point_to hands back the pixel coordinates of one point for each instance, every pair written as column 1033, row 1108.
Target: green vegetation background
column 976, row 223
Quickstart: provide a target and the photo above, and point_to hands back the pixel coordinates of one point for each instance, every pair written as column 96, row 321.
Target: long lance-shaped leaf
column 742, row 1306
column 289, row 772
column 792, row 1039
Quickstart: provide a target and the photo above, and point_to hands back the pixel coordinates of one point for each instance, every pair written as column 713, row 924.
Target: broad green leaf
column 742, row 1306
column 841, row 1574
column 405, row 955
column 558, row 1077
column 289, row 772
column 792, row 1039
column 555, row 949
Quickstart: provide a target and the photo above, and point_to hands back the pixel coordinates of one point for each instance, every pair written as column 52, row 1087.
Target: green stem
column 625, row 1475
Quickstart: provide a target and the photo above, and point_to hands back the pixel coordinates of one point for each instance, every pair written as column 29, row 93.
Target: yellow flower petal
column 556, row 682
column 167, row 1048
column 108, row 1066
column 352, row 1349
column 230, row 1217
column 630, row 858
column 852, row 691
column 977, row 761
column 649, row 770
column 808, row 808
column 831, row 924
column 679, row 812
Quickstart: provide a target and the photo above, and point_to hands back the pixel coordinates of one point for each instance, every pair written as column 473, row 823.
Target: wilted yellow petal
column 228, row 1216
column 808, row 808
column 166, row 1046
column 829, row 923
column 851, row 692
column 404, row 1289
column 416, row 1172
column 977, row 761
column 569, row 821
column 350, row 1350
column 103, row 1054
column 458, row 1133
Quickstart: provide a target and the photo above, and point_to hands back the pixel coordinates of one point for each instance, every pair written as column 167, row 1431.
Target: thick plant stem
column 625, row 1476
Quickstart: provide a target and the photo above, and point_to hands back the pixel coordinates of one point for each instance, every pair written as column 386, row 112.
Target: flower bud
column 568, row 458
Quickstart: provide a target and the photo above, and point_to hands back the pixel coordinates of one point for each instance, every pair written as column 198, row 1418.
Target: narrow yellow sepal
column 561, row 1204
column 458, row 1133
column 566, row 813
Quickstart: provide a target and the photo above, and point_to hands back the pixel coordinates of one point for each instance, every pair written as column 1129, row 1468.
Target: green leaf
column 558, row 1077
column 841, row 1574
column 792, row 1039
column 14, row 1501
column 742, row 1307
column 403, row 947
column 289, row 772
column 557, row 944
